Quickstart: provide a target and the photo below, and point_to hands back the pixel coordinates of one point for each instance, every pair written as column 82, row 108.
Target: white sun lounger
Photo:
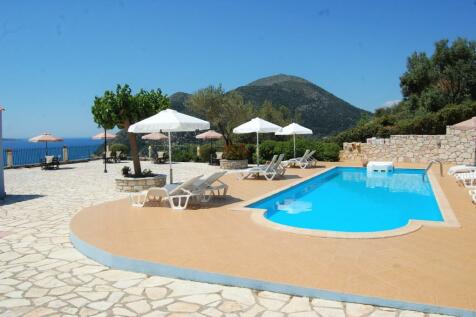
column 209, row 186
column 270, row 171
column 303, row 161
column 454, row 170
column 178, row 195
column 466, row 179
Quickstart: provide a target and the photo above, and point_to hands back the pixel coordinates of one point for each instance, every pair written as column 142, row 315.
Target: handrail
column 429, row 166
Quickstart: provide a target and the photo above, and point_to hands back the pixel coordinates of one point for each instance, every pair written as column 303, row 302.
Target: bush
column 119, row 147
column 184, row 153
column 205, row 151
column 235, row 152
column 325, row 151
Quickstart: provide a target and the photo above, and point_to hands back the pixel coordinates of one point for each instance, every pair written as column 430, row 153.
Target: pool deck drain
column 434, row 266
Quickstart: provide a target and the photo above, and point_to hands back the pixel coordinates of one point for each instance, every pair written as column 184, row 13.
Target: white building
column 2, row 183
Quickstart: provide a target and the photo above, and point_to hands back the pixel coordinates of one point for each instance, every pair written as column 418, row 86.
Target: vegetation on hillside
column 438, row 90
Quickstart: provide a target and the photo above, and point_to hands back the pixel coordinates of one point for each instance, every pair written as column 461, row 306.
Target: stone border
column 257, row 215
column 147, row 267
column 233, row 164
column 131, row 184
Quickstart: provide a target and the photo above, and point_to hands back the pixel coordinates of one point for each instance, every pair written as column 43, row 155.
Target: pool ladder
column 429, row 166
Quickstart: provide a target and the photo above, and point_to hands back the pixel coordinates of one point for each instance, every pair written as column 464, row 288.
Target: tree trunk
column 134, row 150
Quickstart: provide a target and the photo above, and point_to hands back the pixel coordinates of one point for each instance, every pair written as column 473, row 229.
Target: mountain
column 314, row 107
column 177, row 101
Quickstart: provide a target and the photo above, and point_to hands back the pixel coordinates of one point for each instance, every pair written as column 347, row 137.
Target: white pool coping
column 449, row 218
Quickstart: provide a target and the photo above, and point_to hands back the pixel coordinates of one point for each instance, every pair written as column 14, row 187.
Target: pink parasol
column 154, row 136
column 209, row 135
column 45, row 137
column 103, row 135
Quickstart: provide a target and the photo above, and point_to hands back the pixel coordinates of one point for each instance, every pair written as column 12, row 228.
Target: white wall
column 2, row 184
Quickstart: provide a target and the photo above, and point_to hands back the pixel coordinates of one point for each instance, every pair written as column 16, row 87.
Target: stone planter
column 130, row 184
column 233, row 164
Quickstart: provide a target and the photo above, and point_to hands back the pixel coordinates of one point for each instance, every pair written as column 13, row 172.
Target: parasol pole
column 294, row 141
column 170, row 160
column 257, row 148
column 105, row 152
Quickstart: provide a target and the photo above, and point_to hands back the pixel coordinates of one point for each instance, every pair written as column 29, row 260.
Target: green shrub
column 235, row 152
column 205, row 151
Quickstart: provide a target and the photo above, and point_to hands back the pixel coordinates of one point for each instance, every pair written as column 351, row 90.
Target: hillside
column 317, row 108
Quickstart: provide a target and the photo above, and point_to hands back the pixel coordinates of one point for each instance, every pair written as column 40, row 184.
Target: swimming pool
column 348, row 199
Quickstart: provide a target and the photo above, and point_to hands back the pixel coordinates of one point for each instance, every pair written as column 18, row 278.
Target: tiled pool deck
column 42, row 274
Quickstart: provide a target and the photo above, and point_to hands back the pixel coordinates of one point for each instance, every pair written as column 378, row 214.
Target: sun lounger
column 160, row 157
column 178, row 195
column 216, row 160
column 454, row 170
column 303, row 161
column 466, row 179
column 269, row 171
column 49, row 162
column 209, row 186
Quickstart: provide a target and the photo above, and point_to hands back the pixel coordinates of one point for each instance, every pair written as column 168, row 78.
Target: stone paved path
column 41, row 274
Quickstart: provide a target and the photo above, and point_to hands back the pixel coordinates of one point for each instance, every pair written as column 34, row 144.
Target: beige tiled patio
column 433, row 265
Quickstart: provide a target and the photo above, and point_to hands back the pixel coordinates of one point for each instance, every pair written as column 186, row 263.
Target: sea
column 26, row 153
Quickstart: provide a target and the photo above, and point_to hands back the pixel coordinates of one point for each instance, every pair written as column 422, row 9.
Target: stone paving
column 41, row 274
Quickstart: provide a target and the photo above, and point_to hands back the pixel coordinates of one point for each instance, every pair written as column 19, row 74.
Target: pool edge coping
column 152, row 268
column 449, row 217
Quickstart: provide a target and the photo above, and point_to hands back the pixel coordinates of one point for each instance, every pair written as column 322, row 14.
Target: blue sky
column 55, row 56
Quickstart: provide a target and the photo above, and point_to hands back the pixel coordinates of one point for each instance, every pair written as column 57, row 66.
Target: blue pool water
column 347, row 199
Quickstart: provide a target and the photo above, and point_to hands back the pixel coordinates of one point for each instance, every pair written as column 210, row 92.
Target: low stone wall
column 233, row 164
column 456, row 146
column 129, row 184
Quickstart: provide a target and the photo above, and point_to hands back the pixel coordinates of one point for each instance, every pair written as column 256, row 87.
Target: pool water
column 348, row 199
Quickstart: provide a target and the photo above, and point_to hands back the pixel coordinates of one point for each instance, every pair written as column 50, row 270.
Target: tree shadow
column 12, row 199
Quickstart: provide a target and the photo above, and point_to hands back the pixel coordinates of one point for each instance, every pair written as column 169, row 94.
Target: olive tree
column 122, row 109
column 223, row 110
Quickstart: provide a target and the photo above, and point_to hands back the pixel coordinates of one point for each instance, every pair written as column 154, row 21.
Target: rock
column 66, row 254
column 357, row 310
column 410, row 313
column 201, row 299
column 119, row 311
column 271, row 304
column 271, row 295
column 182, row 307
column 94, row 296
column 297, row 304
column 139, row 307
column 101, row 305
column 155, row 281
column 326, row 303
column 118, row 275
column 230, row 307
column 330, row 312
column 14, row 302
column 240, row 295
column 36, row 292
column 181, row 288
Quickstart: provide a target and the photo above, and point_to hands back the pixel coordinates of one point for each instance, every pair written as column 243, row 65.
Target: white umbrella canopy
column 294, row 129
column 257, row 125
column 169, row 121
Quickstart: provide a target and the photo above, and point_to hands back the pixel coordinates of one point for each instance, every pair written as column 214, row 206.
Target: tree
column 223, row 110
column 122, row 109
column 278, row 115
